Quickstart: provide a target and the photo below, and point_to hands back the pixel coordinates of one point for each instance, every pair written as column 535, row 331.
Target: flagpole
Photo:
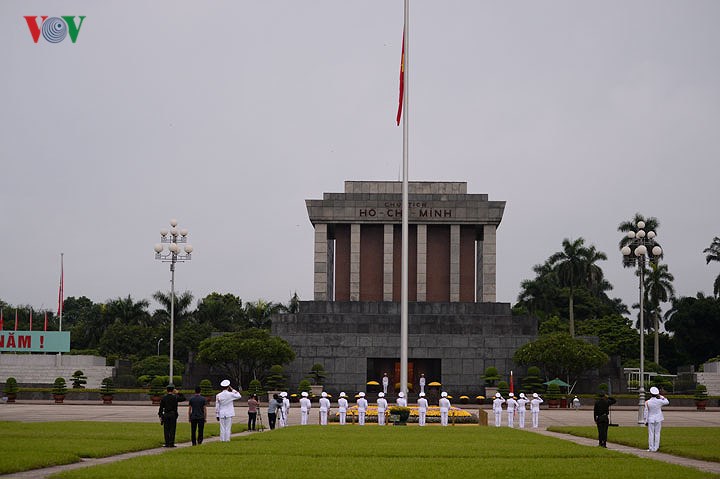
column 405, row 212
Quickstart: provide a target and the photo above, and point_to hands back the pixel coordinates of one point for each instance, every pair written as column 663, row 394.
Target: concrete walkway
column 43, row 411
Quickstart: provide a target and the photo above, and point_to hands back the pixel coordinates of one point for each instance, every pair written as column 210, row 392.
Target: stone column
column 421, row 262
column 488, row 264
column 330, row 270
column 354, row 262
column 388, row 263
column 321, row 263
column 454, row 263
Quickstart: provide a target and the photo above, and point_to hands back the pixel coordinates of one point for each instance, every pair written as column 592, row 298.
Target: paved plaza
column 42, row 411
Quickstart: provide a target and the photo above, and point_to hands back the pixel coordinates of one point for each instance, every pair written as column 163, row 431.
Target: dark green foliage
column 701, row 392
column 11, row 386
column 304, row 386
column 491, row 376
column 206, row 388
column 107, row 387
column 59, row 386
column 157, row 386
column 276, row 380
column 317, row 373
column 156, row 366
column 503, row 388
column 695, row 324
column 79, row 380
column 533, row 383
column 255, row 387
column 553, row 391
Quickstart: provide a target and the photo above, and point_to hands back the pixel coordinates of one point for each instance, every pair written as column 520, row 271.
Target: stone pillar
column 388, row 263
column 488, row 263
column 330, row 270
column 421, row 262
column 321, row 263
column 454, row 263
column 354, row 262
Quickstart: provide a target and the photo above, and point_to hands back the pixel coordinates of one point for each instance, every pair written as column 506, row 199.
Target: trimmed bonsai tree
column 255, row 387
column 503, row 388
column 317, row 373
column 701, row 396
column 59, row 390
column 107, row 390
column 304, row 386
column 156, row 390
column 276, row 380
column 206, row 388
column 11, row 389
column 491, row 376
column 533, row 383
column 79, row 380
column 553, row 395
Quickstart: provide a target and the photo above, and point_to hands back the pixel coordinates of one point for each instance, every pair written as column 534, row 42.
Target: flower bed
column 460, row 416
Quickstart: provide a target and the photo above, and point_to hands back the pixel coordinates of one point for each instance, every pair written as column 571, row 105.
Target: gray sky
column 227, row 115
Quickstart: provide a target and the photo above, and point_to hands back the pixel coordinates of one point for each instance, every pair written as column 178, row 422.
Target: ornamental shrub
column 59, row 386
column 78, row 379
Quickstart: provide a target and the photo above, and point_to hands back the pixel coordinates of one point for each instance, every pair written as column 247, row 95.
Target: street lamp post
column 641, row 248
column 159, row 341
column 172, row 255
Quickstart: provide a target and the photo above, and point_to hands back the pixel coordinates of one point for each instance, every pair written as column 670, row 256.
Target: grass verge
column 694, row 442
column 390, row 452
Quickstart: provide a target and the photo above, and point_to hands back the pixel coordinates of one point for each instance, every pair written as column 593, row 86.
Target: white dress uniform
column 521, row 408
column 305, row 406
column 444, row 404
column 401, row 401
column 385, row 383
column 381, row 408
column 497, row 409
column 324, row 409
column 511, row 407
column 535, row 409
column 286, row 408
column 342, row 408
column 225, row 409
column 362, row 405
column 281, row 419
column 654, row 417
column 422, row 405
column 422, row 383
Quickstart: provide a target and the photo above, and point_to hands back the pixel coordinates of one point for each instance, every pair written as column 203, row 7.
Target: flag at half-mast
column 60, row 291
column 402, row 81
column 1, row 320
column 30, row 319
column 45, row 321
column 512, row 386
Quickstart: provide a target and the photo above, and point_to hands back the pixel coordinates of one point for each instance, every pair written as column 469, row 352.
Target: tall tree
column 181, row 308
column 658, row 289
column 695, row 323
column 258, row 313
column 127, row 311
column 713, row 254
column 575, row 266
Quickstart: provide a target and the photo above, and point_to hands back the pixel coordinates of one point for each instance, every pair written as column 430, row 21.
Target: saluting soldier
column 444, row 408
column 511, row 407
column 168, row 413
column 497, row 409
column 535, row 409
column 225, row 409
column 324, row 408
column 654, row 418
column 381, row 408
column 422, row 405
column 342, row 408
column 305, row 406
column 362, row 405
column 521, row 408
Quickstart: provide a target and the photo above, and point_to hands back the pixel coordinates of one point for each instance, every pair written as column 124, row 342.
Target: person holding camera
column 168, row 413
column 253, row 405
column 654, row 417
column 225, row 409
column 601, row 412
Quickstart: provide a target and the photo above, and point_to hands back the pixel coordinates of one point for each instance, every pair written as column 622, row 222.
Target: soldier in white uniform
column 381, row 408
column 654, row 418
column 285, row 407
column 444, row 408
column 385, row 382
column 401, row 401
column 422, row 383
column 342, row 408
column 535, row 409
column 281, row 420
column 305, row 406
column 362, row 405
column 521, row 408
column 511, row 407
column 225, row 409
column 324, row 408
column 422, row 405
column 576, row 403
column 497, row 409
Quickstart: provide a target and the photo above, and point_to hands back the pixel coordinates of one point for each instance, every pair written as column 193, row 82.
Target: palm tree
column 538, row 294
column 658, row 289
column 651, row 224
column 575, row 266
column 259, row 312
column 182, row 304
column 128, row 311
column 713, row 254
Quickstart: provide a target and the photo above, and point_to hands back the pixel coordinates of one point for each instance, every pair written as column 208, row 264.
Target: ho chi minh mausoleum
column 352, row 328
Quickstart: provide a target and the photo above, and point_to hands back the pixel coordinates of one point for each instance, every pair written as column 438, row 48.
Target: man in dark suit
column 169, row 413
column 197, row 414
column 601, row 412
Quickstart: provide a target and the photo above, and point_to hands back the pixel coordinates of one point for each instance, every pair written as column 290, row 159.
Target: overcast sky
column 227, row 115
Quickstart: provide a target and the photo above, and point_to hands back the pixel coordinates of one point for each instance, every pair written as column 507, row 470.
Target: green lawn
column 694, row 442
column 34, row 445
column 390, row 452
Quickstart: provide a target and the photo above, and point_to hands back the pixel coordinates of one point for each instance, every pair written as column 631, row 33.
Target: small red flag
column 512, row 388
column 45, row 321
column 402, row 81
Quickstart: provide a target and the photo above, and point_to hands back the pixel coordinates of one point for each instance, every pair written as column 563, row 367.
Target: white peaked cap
column 512, row 395
column 381, row 395
column 654, row 390
column 522, row 395
column 324, row 394
column 225, row 383
column 304, row 394
column 535, row 395
column 422, row 395
column 497, row 395
column 361, row 394
column 342, row 395
column 444, row 394
column 283, row 394
column 401, row 394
